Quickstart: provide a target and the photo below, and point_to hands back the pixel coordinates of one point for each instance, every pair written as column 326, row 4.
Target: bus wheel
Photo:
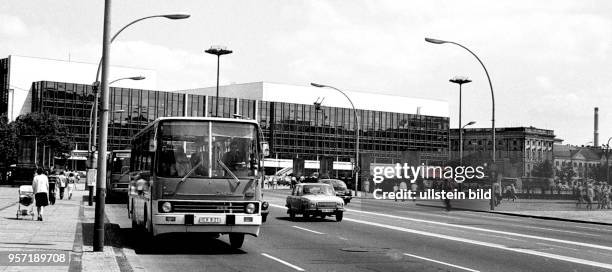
column 236, row 240
column 339, row 216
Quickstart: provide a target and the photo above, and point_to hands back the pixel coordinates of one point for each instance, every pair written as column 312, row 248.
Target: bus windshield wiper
column 228, row 170
column 191, row 171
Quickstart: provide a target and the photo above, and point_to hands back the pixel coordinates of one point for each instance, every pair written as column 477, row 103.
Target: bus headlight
column 250, row 208
column 166, row 207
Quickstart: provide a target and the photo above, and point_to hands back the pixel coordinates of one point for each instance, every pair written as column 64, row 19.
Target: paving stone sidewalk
column 61, row 231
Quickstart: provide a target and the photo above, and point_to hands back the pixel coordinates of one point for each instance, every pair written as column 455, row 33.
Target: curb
column 524, row 215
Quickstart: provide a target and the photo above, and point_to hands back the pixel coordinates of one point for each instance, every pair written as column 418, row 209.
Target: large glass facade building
column 292, row 129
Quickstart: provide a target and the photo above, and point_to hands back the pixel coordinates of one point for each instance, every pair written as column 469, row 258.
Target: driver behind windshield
column 234, row 158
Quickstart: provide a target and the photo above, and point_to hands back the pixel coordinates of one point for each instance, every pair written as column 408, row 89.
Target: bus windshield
column 120, row 162
column 196, row 149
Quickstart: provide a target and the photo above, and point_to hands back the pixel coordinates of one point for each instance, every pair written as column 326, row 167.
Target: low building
column 518, row 149
column 582, row 159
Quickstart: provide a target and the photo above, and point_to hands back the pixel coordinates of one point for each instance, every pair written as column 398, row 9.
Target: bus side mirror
column 265, row 149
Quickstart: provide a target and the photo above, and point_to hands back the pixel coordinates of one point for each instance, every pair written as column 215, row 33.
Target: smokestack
column 596, row 125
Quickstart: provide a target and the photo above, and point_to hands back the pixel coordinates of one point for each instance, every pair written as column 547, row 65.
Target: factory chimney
column 596, row 128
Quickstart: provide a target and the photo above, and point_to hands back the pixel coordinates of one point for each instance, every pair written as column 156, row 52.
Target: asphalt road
column 378, row 235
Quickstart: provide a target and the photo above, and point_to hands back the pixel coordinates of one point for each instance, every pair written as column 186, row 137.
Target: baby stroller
column 26, row 201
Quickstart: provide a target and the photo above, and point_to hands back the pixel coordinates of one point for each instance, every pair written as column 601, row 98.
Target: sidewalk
column 61, row 232
column 565, row 210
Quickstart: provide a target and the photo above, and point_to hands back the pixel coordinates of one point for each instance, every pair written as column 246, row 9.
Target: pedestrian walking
column 590, row 193
column 395, row 190
column 40, row 185
column 62, row 182
column 497, row 193
column 71, row 184
column 414, row 187
column 403, row 188
column 513, row 192
column 274, row 182
column 581, row 194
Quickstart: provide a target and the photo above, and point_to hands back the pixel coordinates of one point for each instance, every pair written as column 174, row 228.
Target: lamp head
column 317, row 85
column 137, row 78
column 177, row 16
column 471, row 123
column 436, row 41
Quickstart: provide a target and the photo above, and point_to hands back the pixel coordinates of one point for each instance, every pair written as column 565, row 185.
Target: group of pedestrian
column 590, row 192
column 45, row 184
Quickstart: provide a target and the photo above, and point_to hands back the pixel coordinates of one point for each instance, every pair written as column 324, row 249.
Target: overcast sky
column 549, row 61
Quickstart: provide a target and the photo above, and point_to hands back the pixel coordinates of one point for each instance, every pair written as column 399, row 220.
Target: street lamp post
column 98, row 239
column 607, row 161
column 218, row 51
column 461, row 141
column 460, row 81
column 356, row 168
column 91, row 139
column 437, row 41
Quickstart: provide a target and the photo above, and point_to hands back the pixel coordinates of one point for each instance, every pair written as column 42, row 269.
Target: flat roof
column 275, row 92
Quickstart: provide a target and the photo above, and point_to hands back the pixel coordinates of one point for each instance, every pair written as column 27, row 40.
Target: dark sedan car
column 340, row 187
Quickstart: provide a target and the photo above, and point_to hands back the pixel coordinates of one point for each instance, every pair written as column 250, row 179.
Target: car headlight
column 312, row 204
column 265, row 205
column 250, row 208
column 166, row 207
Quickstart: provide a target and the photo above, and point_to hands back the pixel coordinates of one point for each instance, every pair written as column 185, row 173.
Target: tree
column 597, row 173
column 543, row 170
column 8, row 142
column 566, row 173
column 47, row 129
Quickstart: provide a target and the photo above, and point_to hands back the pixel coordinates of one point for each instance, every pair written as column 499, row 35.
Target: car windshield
column 316, row 189
column 338, row 184
column 194, row 149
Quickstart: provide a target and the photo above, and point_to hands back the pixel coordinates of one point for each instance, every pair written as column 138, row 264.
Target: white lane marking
column 480, row 229
column 545, row 244
column 503, row 237
column 488, row 230
column 447, row 264
column 283, row 262
column 308, row 230
column 487, row 244
column 599, row 229
column 531, row 227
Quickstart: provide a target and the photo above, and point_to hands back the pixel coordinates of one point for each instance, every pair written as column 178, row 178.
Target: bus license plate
column 214, row 220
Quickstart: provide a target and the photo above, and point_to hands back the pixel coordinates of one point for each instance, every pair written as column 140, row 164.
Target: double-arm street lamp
column 460, row 81
column 98, row 239
column 461, row 141
column 356, row 167
column 437, row 41
column 94, row 126
column 218, row 51
column 94, row 109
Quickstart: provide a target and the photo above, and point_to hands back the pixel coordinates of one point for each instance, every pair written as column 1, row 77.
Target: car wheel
column 322, row 216
column 236, row 240
column 291, row 214
column 339, row 216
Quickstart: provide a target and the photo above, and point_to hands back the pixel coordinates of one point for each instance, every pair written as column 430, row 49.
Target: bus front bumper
column 207, row 223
